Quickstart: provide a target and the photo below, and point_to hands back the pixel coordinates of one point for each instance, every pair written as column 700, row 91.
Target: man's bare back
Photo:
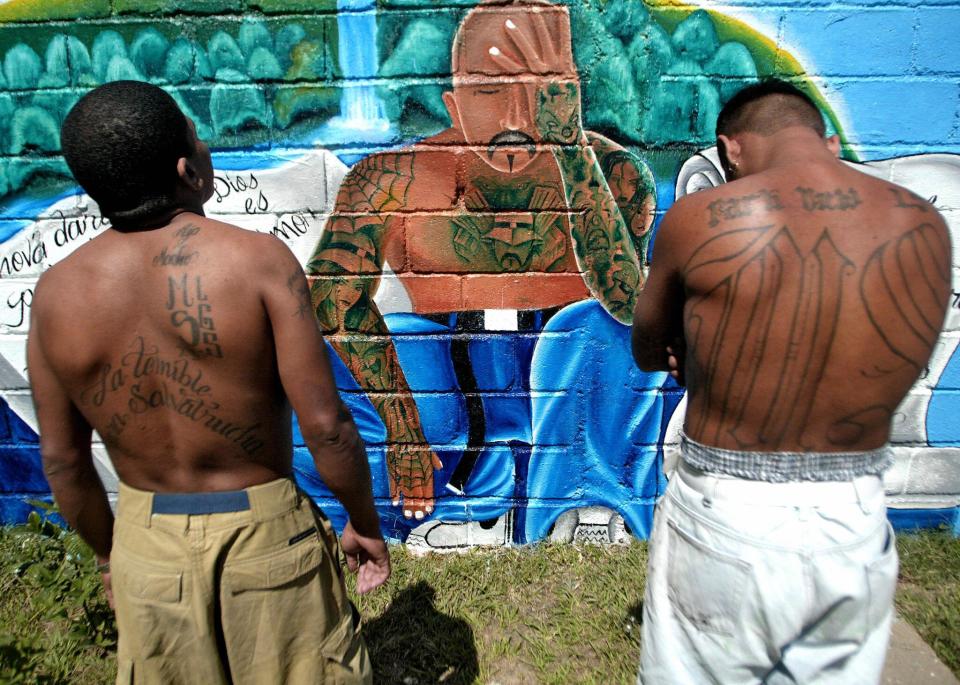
column 184, row 342
column 815, row 294
column 176, row 364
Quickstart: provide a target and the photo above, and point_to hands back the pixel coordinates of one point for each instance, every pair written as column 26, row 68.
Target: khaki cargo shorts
column 251, row 591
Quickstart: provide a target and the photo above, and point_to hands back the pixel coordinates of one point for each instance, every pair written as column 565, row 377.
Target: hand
column 366, row 556
column 410, row 471
column 674, row 362
column 105, row 577
column 527, row 48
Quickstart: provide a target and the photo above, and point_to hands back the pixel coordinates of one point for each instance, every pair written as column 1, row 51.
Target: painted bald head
column 525, row 37
column 503, row 54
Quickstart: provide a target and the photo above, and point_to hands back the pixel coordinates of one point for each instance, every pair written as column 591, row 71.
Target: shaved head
column 767, row 107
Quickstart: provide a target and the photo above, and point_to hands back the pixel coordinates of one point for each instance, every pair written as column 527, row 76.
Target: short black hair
column 767, row 107
column 122, row 141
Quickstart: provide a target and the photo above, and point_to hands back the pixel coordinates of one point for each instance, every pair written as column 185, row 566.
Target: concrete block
column 165, row 8
column 936, row 31
column 43, row 10
column 881, row 120
column 934, row 471
column 884, row 36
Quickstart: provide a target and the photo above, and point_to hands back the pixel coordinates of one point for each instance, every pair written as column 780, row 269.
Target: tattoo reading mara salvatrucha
column 726, row 209
column 837, row 200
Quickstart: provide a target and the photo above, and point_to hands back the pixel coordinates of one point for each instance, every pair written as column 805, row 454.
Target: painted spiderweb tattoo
column 378, row 183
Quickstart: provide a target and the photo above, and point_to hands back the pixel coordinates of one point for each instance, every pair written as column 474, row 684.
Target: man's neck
column 155, row 222
column 796, row 146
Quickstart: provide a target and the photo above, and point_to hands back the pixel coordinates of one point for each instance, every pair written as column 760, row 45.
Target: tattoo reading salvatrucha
column 190, row 396
column 906, row 200
column 833, row 200
column 736, row 207
column 190, row 311
column 177, row 255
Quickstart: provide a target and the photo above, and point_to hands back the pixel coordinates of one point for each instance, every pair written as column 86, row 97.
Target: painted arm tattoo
column 605, row 253
column 344, row 272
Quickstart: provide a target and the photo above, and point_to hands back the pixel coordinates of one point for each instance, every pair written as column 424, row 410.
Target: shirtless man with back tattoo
column 799, row 302
column 184, row 342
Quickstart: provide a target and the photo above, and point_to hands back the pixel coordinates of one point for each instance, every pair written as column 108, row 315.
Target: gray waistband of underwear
column 786, row 467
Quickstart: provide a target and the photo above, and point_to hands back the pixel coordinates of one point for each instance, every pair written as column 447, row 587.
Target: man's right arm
column 325, row 422
column 345, row 271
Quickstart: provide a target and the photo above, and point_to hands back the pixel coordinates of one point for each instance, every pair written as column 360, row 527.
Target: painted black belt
column 200, row 502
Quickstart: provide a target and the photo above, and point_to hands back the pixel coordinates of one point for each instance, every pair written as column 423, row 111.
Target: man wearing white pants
column 798, row 302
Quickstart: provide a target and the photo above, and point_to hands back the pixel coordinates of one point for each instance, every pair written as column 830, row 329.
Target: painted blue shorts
column 569, row 387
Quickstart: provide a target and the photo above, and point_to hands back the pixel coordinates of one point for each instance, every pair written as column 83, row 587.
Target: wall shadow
column 413, row 642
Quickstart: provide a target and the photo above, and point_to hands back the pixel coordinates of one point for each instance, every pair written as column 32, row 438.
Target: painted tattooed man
column 491, row 225
column 799, row 302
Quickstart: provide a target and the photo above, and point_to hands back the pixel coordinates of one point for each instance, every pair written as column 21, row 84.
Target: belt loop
column 148, row 511
column 256, row 513
column 861, row 498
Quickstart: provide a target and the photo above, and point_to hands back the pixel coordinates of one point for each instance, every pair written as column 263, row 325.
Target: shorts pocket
column 704, row 585
column 345, row 653
column 157, row 587
column 152, row 608
column 882, row 580
column 295, row 564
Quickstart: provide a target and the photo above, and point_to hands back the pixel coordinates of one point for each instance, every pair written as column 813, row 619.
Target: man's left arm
column 658, row 316
column 65, row 450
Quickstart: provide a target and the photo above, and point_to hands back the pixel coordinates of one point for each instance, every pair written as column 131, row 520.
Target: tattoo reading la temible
column 747, row 268
column 182, row 390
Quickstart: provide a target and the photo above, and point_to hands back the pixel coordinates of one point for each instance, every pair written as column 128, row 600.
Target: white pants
column 756, row 582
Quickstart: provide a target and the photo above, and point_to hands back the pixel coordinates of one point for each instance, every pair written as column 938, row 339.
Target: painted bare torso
column 461, row 235
column 476, row 239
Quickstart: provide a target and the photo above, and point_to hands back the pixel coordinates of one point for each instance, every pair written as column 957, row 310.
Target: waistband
column 786, row 467
column 264, row 501
column 866, row 490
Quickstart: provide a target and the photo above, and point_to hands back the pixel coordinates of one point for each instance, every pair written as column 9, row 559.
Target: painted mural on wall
column 473, row 264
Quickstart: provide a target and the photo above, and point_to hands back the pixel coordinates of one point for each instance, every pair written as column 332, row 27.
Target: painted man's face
column 497, row 118
column 503, row 57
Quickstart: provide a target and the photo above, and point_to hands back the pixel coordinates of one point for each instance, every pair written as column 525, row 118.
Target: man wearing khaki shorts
column 184, row 342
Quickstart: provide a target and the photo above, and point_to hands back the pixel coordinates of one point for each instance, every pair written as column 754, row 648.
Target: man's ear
column 833, row 144
column 189, row 175
column 729, row 151
column 451, row 103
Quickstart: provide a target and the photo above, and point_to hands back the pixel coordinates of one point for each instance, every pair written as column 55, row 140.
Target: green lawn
column 537, row 614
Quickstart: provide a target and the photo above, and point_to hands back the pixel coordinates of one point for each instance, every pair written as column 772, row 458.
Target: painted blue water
column 360, row 107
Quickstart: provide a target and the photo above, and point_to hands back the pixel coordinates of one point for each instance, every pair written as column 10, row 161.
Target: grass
column 537, row 614
column 928, row 591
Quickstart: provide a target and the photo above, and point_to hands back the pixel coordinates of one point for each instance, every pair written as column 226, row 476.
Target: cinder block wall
column 341, row 131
